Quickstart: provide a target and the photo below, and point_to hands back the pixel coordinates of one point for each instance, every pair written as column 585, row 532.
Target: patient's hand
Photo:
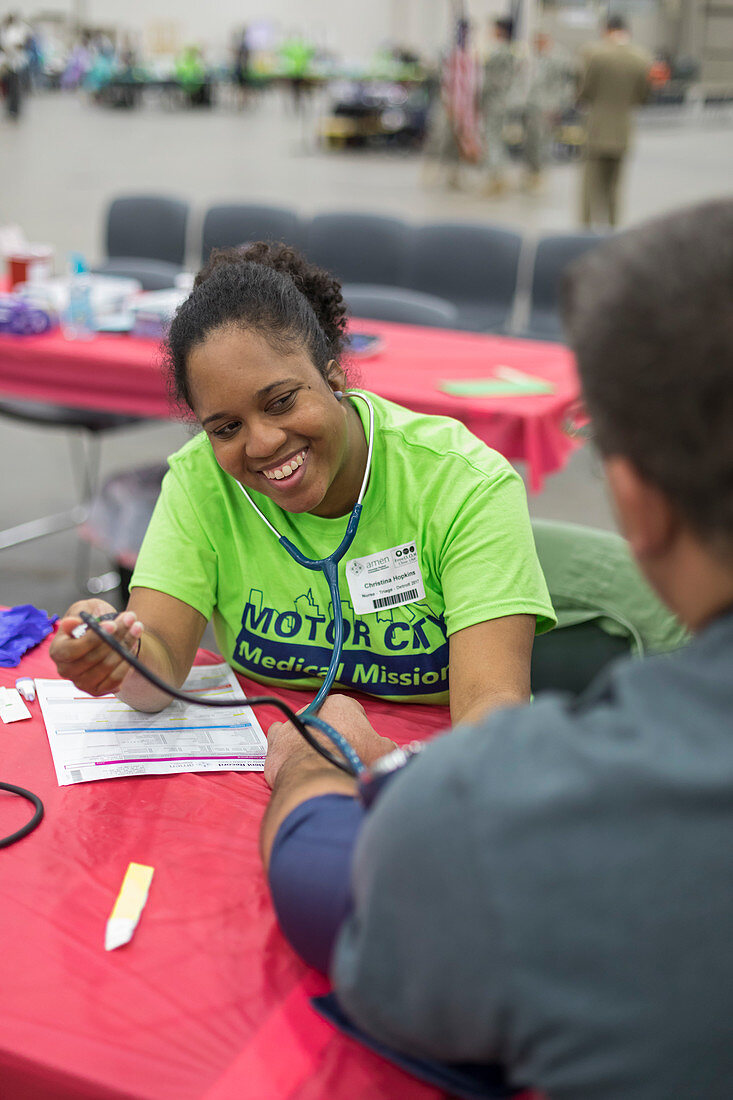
column 346, row 716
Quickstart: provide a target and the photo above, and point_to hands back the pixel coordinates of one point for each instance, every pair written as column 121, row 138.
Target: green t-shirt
column 433, row 487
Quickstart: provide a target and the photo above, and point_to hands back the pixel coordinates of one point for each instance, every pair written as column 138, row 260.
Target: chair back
column 472, row 265
column 410, row 307
column 151, row 274
column 151, row 227
column 359, row 248
column 552, row 256
column 228, row 225
column 593, row 580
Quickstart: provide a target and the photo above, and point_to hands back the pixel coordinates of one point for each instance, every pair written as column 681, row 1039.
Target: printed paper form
column 104, row 738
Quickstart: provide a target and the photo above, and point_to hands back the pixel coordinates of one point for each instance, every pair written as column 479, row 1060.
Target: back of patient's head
column 649, row 315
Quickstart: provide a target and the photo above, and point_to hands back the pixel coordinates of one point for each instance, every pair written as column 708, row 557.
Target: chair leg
column 85, row 466
column 39, row 528
column 88, row 477
column 85, row 461
column 85, row 455
column 86, row 474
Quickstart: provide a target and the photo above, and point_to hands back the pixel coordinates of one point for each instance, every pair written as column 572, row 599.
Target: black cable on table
column 6, row 841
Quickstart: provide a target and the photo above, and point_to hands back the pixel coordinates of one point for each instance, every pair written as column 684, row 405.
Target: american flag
column 460, row 93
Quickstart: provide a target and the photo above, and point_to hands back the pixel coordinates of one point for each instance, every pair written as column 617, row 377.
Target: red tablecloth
column 207, row 1001
column 124, row 374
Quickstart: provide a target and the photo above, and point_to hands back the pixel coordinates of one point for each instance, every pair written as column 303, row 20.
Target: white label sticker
column 387, row 579
column 12, row 707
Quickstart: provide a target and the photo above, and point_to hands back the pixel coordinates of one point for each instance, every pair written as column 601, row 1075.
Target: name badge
column 387, row 579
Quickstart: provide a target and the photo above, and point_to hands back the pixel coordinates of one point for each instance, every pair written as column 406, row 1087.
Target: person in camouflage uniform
column 499, row 72
column 551, row 89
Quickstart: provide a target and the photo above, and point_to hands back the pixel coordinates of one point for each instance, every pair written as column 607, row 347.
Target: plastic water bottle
column 78, row 318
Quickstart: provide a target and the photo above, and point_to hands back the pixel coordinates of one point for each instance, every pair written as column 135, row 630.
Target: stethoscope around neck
column 370, row 781
column 329, row 567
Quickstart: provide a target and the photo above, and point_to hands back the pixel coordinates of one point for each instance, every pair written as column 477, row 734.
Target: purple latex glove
column 21, row 628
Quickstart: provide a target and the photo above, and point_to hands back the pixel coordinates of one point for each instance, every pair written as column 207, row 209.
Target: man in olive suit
column 615, row 79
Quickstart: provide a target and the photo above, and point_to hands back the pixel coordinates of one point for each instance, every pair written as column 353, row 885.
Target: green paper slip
column 513, row 384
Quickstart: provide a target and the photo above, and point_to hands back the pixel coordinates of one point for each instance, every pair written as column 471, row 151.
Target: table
column 207, row 1001
column 124, row 374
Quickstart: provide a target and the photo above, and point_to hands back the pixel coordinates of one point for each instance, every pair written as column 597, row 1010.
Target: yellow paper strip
column 133, row 893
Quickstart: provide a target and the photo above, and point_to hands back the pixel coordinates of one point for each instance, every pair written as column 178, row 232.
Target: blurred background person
column 551, row 90
column 454, row 131
column 103, row 66
column 296, row 54
column 499, row 74
column 127, row 74
column 34, row 53
column 190, row 72
column 614, row 81
column 14, row 38
column 79, row 62
column 241, row 67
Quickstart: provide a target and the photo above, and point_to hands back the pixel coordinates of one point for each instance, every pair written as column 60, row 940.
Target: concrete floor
column 66, row 158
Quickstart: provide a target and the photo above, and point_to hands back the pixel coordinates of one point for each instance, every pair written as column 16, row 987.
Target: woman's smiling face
column 274, row 423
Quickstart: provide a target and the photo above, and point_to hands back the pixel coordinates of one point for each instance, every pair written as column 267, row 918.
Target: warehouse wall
column 355, row 30
column 350, row 27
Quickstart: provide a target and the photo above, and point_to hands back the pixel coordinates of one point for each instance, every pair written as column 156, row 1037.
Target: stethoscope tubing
column 349, row 761
column 29, row 826
column 329, row 567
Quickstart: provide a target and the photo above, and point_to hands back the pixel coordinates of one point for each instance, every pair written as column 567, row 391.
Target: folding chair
column 230, row 224
column 360, row 248
column 409, row 307
column 552, row 256
column 472, row 265
column 605, row 608
column 87, row 426
column 145, row 239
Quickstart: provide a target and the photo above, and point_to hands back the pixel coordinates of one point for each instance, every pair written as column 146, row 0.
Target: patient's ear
column 645, row 516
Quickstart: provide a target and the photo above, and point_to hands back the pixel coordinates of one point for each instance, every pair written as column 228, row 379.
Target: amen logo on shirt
column 393, row 651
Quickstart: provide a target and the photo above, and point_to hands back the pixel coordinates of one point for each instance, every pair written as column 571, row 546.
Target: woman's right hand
column 87, row 661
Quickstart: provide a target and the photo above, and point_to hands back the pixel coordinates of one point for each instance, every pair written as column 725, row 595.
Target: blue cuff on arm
column 310, row 873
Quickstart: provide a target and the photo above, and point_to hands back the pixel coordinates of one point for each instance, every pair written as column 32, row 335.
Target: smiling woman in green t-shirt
column 441, row 589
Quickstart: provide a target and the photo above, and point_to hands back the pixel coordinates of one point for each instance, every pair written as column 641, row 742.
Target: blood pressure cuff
column 310, row 881
column 310, row 873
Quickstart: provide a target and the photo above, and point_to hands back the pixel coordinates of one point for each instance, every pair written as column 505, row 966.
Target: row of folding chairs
column 464, row 275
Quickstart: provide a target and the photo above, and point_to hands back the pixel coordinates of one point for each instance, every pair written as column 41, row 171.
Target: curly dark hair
column 649, row 314
column 268, row 288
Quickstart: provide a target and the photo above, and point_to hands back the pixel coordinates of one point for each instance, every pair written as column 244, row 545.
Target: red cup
column 30, row 266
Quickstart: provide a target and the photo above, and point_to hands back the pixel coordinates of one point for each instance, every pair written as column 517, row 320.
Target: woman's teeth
column 286, row 469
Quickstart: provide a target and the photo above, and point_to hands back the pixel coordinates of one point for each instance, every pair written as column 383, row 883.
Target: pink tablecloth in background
column 123, row 374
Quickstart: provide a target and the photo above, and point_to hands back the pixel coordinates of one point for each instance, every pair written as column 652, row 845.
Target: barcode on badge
column 390, row 601
column 76, row 776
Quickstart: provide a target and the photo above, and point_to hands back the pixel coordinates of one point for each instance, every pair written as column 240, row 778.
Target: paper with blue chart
column 105, row 739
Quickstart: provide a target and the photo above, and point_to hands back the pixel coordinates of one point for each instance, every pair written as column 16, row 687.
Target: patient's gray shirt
column 553, row 889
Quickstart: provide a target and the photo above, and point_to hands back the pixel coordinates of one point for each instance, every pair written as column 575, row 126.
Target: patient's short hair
column 649, row 314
